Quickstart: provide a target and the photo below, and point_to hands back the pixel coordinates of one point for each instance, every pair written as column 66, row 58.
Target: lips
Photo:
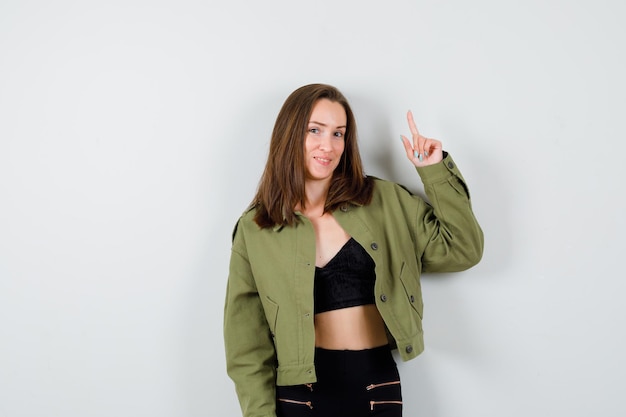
column 323, row 161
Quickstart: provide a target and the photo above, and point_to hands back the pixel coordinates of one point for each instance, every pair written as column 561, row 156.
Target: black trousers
column 350, row 383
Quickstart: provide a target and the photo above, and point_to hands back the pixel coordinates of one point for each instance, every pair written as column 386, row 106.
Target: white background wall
column 133, row 133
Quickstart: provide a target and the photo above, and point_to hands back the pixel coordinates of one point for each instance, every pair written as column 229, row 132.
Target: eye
column 314, row 130
column 339, row 134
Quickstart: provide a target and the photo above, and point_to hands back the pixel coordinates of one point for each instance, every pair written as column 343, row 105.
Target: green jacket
column 268, row 316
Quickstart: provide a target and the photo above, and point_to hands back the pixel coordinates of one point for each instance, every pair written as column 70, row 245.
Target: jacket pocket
column 412, row 289
column 271, row 315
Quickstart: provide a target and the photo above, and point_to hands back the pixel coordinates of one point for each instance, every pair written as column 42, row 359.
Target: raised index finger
column 412, row 126
column 418, row 140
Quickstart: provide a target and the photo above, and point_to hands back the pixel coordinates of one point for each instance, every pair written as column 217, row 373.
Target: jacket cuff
column 441, row 171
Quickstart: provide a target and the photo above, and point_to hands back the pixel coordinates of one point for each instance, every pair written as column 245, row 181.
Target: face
column 324, row 142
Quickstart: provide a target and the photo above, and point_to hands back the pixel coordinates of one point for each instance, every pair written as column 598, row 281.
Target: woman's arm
column 250, row 353
column 448, row 235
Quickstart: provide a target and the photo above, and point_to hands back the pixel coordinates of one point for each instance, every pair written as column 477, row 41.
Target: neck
column 315, row 197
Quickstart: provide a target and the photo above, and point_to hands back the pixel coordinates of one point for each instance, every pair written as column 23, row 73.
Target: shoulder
column 384, row 187
column 245, row 221
column 394, row 198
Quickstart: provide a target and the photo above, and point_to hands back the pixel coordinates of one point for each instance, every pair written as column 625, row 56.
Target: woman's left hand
column 423, row 151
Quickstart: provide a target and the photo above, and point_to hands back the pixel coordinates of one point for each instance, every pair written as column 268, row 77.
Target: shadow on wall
column 234, row 166
column 452, row 332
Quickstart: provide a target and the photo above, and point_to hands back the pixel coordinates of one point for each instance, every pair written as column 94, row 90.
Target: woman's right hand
column 423, row 151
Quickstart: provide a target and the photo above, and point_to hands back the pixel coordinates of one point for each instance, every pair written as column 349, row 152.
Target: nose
column 325, row 143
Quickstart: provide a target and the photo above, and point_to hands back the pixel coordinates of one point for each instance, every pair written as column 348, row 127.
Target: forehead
column 328, row 112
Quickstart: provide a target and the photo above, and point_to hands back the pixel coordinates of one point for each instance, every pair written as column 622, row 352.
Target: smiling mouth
column 323, row 160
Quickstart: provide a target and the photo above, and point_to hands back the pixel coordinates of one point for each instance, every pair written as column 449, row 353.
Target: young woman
column 326, row 262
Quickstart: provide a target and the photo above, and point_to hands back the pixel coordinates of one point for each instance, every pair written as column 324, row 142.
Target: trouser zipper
column 384, row 384
column 307, row 403
column 373, row 403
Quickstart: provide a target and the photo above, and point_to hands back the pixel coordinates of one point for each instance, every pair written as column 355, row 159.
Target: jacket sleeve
column 448, row 236
column 250, row 353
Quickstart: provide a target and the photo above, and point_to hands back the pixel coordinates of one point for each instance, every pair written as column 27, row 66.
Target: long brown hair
column 281, row 188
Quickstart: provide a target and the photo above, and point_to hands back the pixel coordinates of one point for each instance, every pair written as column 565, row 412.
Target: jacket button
column 374, row 246
column 409, row 349
column 450, row 165
column 343, row 208
column 412, row 298
column 383, row 298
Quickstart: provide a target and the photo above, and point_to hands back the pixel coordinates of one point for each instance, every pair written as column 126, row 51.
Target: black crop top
column 347, row 280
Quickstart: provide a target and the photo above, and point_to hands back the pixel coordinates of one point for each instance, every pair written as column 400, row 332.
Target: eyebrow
column 325, row 125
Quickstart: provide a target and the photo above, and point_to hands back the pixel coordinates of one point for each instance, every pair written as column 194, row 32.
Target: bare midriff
column 353, row 328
